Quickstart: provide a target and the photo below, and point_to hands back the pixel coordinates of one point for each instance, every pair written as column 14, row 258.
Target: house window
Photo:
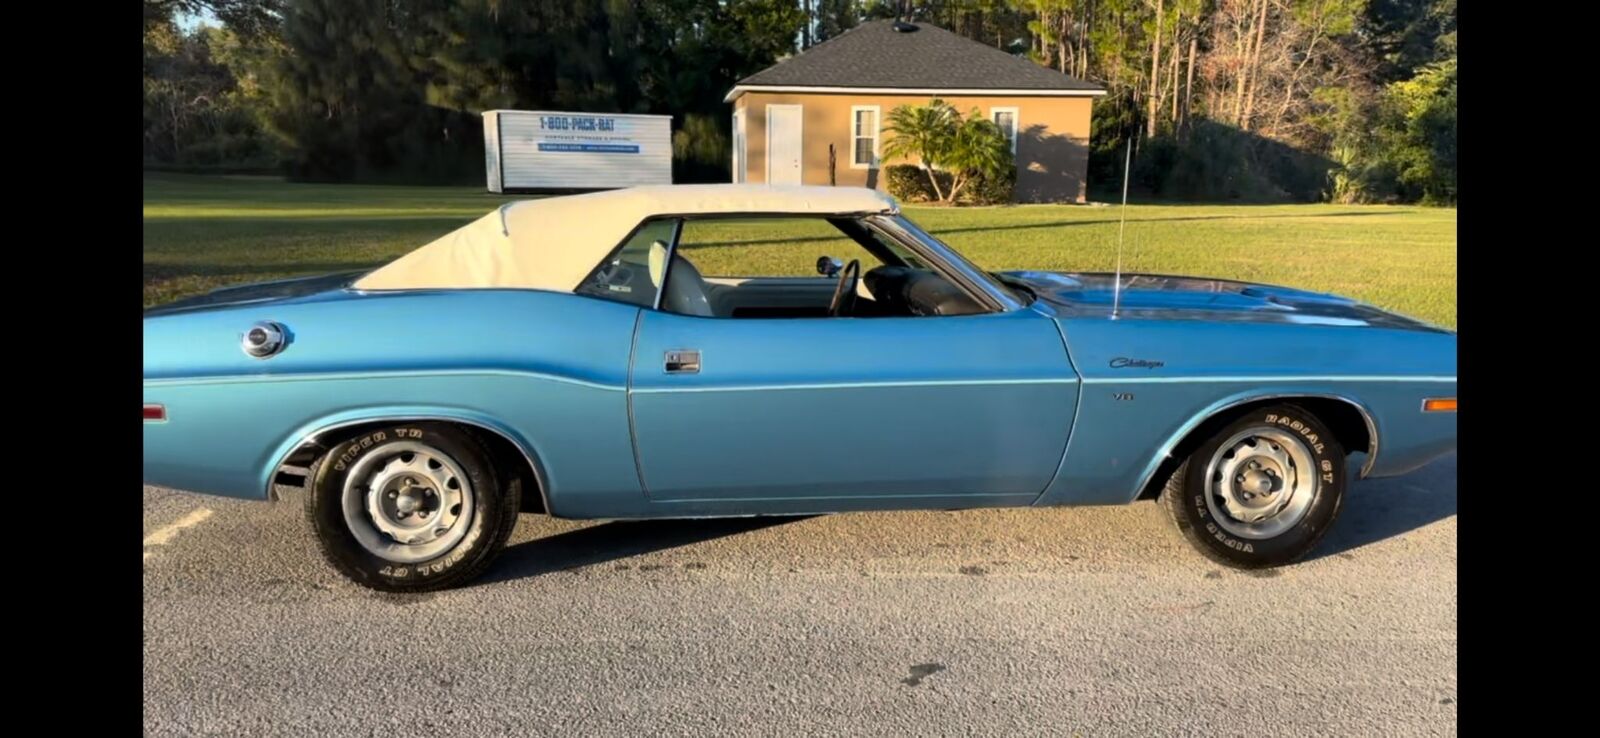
column 863, row 136
column 1006, row 118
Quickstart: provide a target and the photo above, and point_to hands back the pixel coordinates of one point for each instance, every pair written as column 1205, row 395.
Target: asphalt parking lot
column 1086, row 621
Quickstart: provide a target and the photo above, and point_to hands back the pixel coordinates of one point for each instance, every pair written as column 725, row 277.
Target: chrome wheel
column 1260, row 482
column 407, row 502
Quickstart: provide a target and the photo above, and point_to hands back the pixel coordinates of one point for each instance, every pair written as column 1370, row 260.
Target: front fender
column 1120, row 444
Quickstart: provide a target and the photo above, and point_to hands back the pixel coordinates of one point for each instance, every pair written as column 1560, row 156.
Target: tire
column 411, row 507
column 1267, row 515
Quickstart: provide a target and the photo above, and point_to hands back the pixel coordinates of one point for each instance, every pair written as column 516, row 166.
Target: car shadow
column 616, row 540
column 1379, row 509
column 1374, row 510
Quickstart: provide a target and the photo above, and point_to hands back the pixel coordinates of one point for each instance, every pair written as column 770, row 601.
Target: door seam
column 1077, row 410
column 633, row 431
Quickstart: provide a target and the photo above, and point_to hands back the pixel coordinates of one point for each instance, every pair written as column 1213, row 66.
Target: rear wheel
column 1262, row 491
column 411, row 507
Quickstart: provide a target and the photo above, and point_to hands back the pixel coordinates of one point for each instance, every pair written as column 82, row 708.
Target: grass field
column 205, row 232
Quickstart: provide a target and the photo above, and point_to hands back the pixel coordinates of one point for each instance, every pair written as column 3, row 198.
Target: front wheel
column 1262, row 491
column 411, row 507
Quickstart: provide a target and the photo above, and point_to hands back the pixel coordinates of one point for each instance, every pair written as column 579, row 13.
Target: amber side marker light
column 1439, row 405
column 155, row 413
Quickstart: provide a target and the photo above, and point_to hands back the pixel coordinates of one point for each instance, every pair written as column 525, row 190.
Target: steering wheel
column 844, row 298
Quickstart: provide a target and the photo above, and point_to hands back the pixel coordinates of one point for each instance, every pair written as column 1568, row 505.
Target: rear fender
column 325, row 430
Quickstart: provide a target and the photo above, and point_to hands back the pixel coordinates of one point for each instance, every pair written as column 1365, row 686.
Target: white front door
column 738, row 147
column 783, row 144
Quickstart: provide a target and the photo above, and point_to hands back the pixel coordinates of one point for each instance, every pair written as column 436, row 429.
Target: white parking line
column 164, row 535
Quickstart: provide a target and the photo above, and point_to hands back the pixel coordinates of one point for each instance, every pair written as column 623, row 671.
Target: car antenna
column 1116, row 284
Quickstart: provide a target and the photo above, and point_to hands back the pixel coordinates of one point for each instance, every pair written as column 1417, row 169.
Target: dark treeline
column 1342, row 100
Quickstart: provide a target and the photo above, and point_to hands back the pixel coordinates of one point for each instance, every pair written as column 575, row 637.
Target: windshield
column 954, row 259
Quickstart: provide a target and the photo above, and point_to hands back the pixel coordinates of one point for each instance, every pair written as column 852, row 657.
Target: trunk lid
column 259, row 292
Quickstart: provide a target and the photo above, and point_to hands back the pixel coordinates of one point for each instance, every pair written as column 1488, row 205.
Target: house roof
column 554, row 243
column 876, row 57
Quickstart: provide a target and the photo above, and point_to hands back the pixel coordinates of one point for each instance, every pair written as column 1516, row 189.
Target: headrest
column 658, row 263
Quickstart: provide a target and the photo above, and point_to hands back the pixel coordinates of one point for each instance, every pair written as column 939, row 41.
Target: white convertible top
column 553, row 243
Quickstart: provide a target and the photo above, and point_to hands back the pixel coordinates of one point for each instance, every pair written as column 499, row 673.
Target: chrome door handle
column 683, row 361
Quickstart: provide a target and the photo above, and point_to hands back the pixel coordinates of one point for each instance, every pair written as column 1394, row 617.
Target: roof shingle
column 874, row 54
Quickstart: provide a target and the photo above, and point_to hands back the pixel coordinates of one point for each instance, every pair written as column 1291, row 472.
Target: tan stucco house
column 839, row 92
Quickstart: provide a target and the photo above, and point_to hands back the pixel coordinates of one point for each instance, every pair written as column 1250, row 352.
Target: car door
column 974, row 408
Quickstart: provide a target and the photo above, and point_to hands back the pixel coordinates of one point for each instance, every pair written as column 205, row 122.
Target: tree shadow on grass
column 616, row 540
column 155, row 272
column 1179, row 219
column 1025, row 226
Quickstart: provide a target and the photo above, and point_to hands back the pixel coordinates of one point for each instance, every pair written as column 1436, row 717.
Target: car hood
column 1160, row 296
column 259, row 292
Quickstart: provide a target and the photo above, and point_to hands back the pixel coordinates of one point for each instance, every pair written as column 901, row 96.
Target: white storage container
column 536, row 150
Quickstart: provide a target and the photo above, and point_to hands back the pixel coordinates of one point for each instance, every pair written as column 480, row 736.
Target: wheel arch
column 313, row 439
column 1350, row 420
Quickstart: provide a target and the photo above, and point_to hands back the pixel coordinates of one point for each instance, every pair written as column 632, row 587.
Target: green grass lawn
column 205, row 232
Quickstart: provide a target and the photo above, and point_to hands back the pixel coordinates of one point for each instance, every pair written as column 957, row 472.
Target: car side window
column 633, row 274
column 905, row 255
column 766, row 246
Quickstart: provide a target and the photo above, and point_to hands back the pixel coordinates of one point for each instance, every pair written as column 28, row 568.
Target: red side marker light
column 153, row 413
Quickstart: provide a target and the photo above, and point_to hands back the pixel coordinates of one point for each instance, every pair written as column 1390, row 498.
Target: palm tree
column 939, row 138
column 978, row 147
column 923, row 132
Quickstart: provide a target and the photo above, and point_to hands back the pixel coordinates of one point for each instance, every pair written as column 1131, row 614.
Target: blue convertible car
column 585, row 357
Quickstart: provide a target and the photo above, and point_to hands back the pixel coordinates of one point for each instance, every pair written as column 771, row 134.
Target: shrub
column 1217, row 162
column 909, row 183
column 964, row 149
column 986, row 190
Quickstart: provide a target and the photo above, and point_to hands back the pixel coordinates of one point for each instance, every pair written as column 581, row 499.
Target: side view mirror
column 828, row 266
